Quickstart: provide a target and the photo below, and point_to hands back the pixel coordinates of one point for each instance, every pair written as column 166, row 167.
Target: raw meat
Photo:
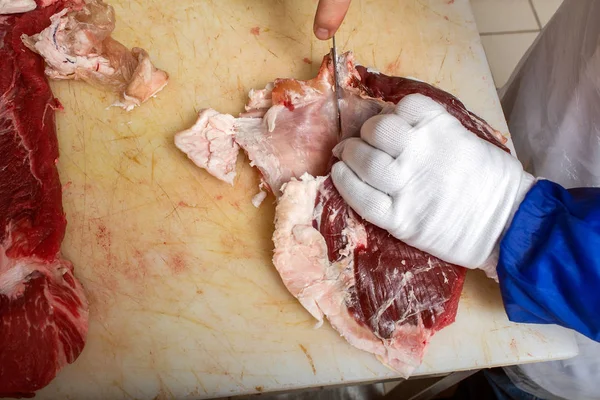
column 210, row 145
column 263, row 130
column 43, row 309
column 382, row 295
column 77, row 45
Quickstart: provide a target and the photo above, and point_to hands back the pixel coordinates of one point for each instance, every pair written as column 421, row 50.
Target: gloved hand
column 423, row 177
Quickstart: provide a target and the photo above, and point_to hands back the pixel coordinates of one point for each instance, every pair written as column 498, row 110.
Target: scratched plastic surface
column 184, row 300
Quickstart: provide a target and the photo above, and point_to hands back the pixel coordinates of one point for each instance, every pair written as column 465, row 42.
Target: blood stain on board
column 103, row 236
column 101, row 292
column 307, row 60
column 177, row 264
column 394, row 66
column 255, row 31
column 229, row 242
column 138, row 268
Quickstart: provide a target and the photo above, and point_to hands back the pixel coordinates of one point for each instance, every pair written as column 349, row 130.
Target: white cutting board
column 184, row 300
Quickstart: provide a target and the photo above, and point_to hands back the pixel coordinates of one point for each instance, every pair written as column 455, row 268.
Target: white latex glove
column 420, row 175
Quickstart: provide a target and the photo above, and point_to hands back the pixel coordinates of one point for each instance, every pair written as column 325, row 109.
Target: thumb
column 329, row 17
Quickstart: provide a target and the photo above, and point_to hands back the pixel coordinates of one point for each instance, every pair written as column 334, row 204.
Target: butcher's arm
column 329, row 16
column 549, row 267
column 419, row 174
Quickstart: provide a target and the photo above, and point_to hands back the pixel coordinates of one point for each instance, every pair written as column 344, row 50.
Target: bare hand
column 329, row 17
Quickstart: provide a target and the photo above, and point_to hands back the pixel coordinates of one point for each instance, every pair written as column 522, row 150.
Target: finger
column 371, row 165
column 415, row 108
column 386, row 132
column 366, row 201
column 329, row 17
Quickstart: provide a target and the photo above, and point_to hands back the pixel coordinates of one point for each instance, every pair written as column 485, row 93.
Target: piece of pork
column 77, row 45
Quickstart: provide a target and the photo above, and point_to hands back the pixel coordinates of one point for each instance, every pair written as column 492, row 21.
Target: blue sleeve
column 549, row 266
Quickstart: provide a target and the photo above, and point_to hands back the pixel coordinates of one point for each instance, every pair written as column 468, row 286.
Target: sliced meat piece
column 77, row 45
column 265, row 130
column 382, row 295
column 43, row 309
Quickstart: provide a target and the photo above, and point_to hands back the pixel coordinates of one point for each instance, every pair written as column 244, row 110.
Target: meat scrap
column 77, row 45
column 43, row 309
column 209, row 144
column 380, row 294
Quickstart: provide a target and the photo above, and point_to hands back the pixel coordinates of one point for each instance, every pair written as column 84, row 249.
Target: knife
column 337, row 87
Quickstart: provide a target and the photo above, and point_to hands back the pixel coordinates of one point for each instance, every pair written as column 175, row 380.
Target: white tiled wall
column 508, row 28
column 545, row 9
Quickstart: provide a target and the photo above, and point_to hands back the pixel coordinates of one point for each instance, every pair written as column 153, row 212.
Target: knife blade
column 337, row 86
